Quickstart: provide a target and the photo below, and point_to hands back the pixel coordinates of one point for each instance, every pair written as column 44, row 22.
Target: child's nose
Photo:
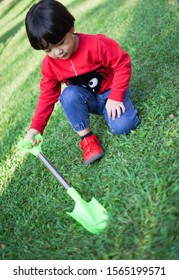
column 58, row 52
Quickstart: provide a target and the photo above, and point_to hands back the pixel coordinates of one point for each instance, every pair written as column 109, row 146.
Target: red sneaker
column 91, row 149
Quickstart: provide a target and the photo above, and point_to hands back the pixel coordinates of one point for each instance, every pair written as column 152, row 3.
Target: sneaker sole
column 91, row 160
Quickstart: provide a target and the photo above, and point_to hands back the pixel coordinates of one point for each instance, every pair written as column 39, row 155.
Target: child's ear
column 72, row 30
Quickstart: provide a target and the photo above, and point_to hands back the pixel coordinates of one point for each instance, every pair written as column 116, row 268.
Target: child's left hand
column 114, row 108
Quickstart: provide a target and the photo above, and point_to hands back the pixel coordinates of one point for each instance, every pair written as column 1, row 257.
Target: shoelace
column 87, row 144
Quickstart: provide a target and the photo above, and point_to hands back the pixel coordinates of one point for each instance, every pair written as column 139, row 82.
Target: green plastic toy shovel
column 91, row 215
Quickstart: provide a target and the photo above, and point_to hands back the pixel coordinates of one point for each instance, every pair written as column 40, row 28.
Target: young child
column 95, row 69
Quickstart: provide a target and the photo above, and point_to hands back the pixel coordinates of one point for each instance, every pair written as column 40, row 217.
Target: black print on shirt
column 91, row 81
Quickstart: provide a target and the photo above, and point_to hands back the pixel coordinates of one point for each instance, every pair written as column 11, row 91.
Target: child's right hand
column 31, row 134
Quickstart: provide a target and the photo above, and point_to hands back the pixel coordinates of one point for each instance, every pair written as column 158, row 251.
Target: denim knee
column 74, row 103
column 69, row 95
column 123, row 125
column 127, row 121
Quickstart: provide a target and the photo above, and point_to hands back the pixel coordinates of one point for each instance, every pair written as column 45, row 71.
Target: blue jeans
column 78, row 103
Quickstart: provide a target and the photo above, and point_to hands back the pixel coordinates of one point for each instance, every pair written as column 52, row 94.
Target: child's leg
column 127, row 121
column 77, row 103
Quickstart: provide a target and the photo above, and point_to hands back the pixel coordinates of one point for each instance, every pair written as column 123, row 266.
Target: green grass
column 136, row 181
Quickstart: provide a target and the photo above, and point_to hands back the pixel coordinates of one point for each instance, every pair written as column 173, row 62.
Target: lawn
column 137, row 180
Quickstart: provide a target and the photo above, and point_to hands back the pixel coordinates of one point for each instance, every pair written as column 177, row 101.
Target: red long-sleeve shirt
column 94, row 53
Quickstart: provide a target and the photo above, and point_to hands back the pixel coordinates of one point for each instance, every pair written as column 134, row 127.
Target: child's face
column 64, row 49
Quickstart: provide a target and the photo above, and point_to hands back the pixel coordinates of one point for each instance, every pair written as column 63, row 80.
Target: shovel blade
column 91, row 215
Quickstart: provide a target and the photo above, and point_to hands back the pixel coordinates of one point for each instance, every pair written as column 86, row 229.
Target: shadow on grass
column 9, row 7
column 11, row 33
column 24, row 10
column 26, row 105
column 152, row 41
column 103, row 13
column 33, row 223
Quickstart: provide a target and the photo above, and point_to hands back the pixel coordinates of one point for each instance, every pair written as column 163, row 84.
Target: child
column 95, row 69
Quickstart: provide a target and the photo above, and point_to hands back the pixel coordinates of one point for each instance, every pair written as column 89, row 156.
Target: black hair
column 47, row 23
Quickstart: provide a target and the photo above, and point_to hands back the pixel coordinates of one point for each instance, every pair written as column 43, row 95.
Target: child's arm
column 112, row 56
column 50, row 91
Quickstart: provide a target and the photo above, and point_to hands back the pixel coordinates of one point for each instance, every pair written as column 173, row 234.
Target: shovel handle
column 49, row 165
column 26, row 145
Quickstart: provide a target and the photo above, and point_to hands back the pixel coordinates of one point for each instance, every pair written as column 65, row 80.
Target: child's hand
column 30, row 135
column 114, row 108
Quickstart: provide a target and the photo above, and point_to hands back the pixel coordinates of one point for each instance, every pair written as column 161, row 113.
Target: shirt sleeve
column 50, row 90
column 113, row 56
